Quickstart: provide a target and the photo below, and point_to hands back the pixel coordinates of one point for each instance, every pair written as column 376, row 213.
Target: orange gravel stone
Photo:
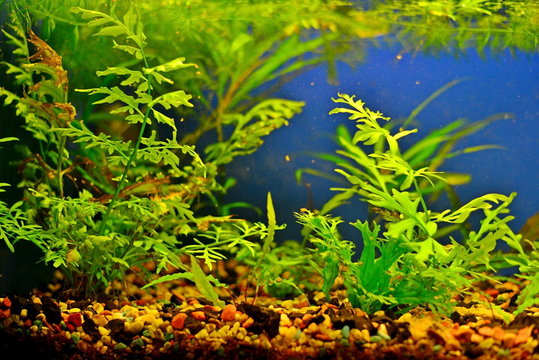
column 5, row 313
column 323, row 337
column 199, row 315
column 178, row 321
column 6, row 302
column 486, row 331
column 523, row 335
column 229, row 313
column 509, row 340
column 247, row 323
column 498, row 333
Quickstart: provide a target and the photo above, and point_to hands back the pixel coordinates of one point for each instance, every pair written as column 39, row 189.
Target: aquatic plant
column 407, row 263
column 115, row 186
column 99, row 205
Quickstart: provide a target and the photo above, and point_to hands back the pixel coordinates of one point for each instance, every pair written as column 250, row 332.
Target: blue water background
column 495, row 83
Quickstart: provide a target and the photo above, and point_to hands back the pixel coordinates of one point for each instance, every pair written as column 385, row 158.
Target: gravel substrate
column 174, row 322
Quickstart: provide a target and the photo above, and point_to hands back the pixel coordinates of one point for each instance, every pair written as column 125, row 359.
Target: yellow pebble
column 355, row 335
column 103, row 331
column 266, row 344
column 202, row 334
column 106, row 339
column 486, row 344
column 147, row 319
column 290, row 333
column 165, row 347
column 334, row 334
column 224, row 330
column 98, row 308
column 240, row 318
column 366, row 335
column 99, row 320
column 285, row 321
column 158, row 334
column 235, row 328
column 134, row 327
column 312, row 328
column 316, row 343
column 210, row 327
column 327, row 321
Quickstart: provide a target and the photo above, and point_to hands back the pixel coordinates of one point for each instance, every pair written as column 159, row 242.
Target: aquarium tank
column 387, row 144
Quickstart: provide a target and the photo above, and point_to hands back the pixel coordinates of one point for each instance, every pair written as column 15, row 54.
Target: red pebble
column 178, row 321
column 75, row 319
column 6, row 302
column 199, row 315
column 5, row 313
column 229, row 313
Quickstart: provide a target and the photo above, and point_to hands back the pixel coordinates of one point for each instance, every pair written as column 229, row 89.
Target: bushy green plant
column 406, row 263
column 118, row 203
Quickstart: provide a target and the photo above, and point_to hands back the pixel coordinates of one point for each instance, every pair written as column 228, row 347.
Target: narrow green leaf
column 203, row 284
column 175, row 64
column 6, row 139
column 272, row 222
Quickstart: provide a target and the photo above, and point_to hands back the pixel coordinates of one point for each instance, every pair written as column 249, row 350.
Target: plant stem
column 120, row 186
column 418, row 190
column 61, row 145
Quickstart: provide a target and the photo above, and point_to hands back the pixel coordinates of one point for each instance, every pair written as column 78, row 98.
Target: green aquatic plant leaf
column 250, row 129
column 204, row 283
column 172, row 99
column 134, row 76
